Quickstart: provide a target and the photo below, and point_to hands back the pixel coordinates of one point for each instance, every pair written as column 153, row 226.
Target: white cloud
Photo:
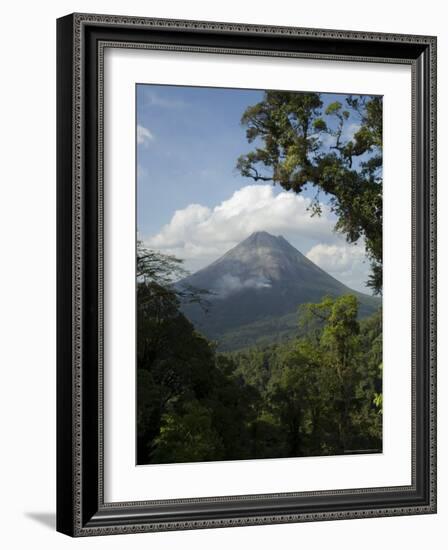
column 349, row 131
column 327, row 140
column 198, row 231
column 346, row 262
column 200, row 234
column 156, row 100
column 141, row 171
column 229, row 284
column 144, row 136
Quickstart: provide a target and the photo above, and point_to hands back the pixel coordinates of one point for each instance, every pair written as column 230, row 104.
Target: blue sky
column 188, row 142
column 197, row 140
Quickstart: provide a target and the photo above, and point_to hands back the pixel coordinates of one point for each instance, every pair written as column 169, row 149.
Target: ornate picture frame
column 81, row 506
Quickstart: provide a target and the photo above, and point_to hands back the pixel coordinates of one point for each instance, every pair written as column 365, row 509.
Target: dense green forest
column 316, row 394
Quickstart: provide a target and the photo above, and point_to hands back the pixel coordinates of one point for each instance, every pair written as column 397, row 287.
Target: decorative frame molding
column 81, row 42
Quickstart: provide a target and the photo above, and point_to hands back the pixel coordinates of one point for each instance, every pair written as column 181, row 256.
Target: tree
column 339, row 343
column 367, row 419
column 293, row 392
column 296, row 145
column 187, row 436
column 160, row 274
column 172, row 359
column 190, row 402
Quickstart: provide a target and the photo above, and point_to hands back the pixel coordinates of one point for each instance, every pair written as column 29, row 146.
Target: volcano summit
column 256, row 289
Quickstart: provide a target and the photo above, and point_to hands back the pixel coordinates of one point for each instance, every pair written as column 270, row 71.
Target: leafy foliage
column 158, row 274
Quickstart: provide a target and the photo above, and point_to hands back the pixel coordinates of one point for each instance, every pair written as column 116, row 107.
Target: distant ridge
column 257, row 287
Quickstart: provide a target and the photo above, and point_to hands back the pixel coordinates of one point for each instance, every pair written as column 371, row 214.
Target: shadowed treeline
column 318, row 394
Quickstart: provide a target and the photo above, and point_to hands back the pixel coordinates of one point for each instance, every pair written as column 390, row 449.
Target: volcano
column 256, row 289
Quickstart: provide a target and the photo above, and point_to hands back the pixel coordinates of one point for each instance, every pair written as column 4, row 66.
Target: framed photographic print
column 246, row 274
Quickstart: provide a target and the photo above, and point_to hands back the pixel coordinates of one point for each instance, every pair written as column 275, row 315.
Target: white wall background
column 27, row 288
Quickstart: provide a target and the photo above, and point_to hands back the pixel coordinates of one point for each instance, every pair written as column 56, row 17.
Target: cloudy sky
column 192, row 203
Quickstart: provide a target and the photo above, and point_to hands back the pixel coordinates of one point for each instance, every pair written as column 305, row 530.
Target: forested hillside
column 317, row 394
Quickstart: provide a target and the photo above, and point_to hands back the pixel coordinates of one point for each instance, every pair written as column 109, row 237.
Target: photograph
column 246, row 272
column 259, row 262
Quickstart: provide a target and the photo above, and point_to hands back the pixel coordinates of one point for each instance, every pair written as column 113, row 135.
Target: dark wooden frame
column 81, row 510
